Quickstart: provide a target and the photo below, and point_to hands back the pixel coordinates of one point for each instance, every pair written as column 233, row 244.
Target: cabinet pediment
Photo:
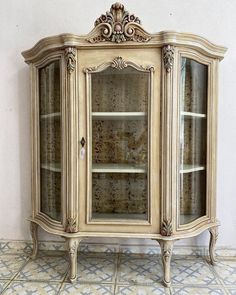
column 118, row 25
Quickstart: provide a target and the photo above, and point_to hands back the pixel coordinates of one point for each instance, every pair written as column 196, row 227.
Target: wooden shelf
column 51, row 115
column 55, row 167
column 191, row 168
column 119, row 115
column 118, row 168
column 195, row 115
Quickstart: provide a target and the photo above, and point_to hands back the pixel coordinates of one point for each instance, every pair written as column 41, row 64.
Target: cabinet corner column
column 70, row 135
column 168, row 137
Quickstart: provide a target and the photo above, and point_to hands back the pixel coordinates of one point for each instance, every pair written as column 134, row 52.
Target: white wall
column 23, row 23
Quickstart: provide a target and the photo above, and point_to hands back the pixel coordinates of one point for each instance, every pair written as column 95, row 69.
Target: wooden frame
column 115, row 36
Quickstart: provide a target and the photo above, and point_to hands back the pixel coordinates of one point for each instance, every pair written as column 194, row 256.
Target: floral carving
column 168, row 57
column 70, row 53
column 71, row 225
column 117, row 25
column 166, row 229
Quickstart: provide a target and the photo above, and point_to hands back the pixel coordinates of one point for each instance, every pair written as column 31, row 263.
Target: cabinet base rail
column 165, row 244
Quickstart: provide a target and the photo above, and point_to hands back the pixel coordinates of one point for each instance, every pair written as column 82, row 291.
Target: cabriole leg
column 166, row 253
column 213, row 238
column 73, row 248
column 34, row 235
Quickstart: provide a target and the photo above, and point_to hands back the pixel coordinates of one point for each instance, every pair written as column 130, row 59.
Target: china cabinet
column 124, row 135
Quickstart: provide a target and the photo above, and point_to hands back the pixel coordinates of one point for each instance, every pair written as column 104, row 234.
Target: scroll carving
column 71, row 225
column 70, row 53
column 166, row 228
column 117, row 25
column 168, row 57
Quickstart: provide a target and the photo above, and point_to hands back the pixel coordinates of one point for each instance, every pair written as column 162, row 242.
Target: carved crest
column 168, row 57
column 166, row 228
column 117, row 25
column 70, row 59
column 71, row 225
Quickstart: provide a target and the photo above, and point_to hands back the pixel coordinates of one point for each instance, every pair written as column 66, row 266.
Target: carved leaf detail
column 71, row 225
column 166, row 229
column 168, row 57
column 117, row 25
column 70, row 53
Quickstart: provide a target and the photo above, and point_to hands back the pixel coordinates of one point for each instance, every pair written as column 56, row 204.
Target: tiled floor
column 113, row 273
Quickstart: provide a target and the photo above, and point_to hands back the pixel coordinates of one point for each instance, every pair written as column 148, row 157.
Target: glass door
column 119, row 154
column 193, row 140
column 50, row 139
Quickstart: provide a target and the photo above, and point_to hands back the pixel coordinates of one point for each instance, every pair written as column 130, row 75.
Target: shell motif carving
column 166, row 229
column 168, row 57
column 70, row 53
column 118, row 63
column 117, row 25
column 71, row 225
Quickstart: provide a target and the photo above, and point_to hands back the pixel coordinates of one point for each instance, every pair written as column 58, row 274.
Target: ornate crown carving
column 117, row 25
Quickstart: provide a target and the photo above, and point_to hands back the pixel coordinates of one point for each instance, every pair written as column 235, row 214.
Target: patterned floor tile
column 10, row 265
column 193, row 272
column 232, row 291
column 96, row 269
column 226, row 271
column 146, row 270
column 3, row 283
column 184, row 290
column 30, row 288
column 15, row 247
column 44, row 268
column 87, row 289
column 140, row 290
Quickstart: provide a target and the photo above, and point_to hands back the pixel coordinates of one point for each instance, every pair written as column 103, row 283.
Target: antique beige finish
column 170, row 137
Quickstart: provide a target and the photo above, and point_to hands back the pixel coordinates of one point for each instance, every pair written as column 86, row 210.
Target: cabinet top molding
column 118, row 28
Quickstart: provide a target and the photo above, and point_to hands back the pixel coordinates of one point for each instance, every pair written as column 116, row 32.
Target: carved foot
column 34, row 235
column 166, row 252
column 73, row 248
column 213, row 238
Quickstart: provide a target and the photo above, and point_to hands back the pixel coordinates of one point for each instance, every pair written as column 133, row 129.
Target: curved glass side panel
column 193, row 140
column 50, row 140
column 119, row 100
